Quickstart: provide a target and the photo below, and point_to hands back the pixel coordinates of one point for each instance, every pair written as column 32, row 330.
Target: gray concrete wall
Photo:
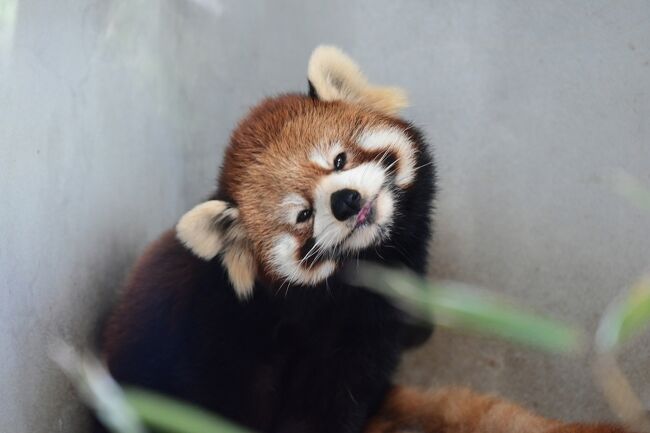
column 113, row 115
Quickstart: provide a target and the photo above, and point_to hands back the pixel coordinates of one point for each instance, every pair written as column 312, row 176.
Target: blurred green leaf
column 174, row 416
column 457, row 306
column 96, row 388
column 632, row 189
column 126, row 410
column 625, row 318
column 8, row 9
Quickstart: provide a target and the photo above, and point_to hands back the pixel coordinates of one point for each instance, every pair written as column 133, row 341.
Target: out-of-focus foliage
column 8, row 18
column 97, row 389
column 461, row 307
column 128, row 411
column 449, row 304
column 625, row 318
column 173, row 416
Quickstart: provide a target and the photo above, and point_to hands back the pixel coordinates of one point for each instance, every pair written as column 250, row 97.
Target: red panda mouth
column 366, row 214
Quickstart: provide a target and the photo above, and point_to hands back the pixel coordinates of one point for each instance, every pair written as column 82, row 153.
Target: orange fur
column 270, row 156
column 460, row 410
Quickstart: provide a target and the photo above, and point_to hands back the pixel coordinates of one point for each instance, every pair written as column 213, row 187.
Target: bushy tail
column 459, row 410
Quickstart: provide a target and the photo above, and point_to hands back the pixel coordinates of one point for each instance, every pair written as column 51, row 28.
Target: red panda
column 242, row 308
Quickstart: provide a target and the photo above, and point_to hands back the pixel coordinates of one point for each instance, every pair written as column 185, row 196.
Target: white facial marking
column 283, row 259
column 324, row 154
column 362, row 237
column 367, row 235
column 371, row 180
column 395, row 140
column 290, row 206
column 367, row 179
column 384, row 208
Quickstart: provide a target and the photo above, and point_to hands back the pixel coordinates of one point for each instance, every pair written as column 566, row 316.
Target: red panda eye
column 303, row 216
column 339, row 161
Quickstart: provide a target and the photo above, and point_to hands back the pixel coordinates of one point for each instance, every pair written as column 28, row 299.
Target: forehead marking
column 392, row 139
column 323, row 155
column 294, row 200
column 290, row 205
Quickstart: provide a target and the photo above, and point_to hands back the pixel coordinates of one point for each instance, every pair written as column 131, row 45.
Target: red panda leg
column 459, row 410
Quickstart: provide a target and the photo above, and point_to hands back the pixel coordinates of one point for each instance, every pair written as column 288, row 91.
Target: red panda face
column 315, row 182
column 307, row 182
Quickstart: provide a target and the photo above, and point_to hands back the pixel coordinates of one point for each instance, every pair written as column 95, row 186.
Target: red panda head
column 308, row 180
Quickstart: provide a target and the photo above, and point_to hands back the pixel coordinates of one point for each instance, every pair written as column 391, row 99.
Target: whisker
column 423, row 165
column 392, row 164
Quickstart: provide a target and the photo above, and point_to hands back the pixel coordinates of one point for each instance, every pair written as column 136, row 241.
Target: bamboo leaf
column 625, row 318
column 174, row 416
column 461, row 307
column 96, row 388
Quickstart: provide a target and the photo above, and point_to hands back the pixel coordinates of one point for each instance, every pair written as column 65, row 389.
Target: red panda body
column 242, row 308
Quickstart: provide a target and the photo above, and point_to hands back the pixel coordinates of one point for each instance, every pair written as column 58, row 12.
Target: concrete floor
column 113, row 115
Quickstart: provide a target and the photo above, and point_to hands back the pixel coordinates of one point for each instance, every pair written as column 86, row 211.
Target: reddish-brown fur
column 460, row 410
column 270, row 155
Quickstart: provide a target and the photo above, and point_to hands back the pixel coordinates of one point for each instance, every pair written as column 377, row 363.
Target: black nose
column 345, row 203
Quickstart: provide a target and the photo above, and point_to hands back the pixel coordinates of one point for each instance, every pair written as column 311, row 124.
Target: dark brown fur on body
column 305, row 362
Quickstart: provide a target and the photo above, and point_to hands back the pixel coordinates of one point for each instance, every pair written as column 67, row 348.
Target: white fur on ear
column 197, row 229
column 211, row 228
column 335, row 76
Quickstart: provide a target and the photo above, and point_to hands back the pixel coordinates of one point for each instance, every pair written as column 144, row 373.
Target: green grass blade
column 456, row 306
column 96, row 388
column 174, row 416
column 625, row 318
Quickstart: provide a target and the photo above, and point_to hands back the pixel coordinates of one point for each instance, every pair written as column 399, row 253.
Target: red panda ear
column 333, row 76
column 212, row 228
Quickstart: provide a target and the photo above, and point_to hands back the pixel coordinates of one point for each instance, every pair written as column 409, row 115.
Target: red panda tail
column 459, row 410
